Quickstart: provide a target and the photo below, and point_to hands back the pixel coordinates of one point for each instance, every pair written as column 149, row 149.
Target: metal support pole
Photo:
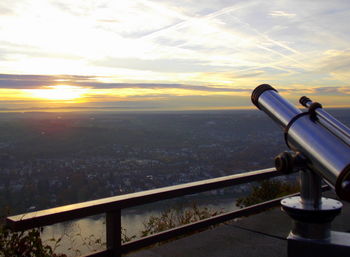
column 310, row 189
column 113, row 232
column 312, row 215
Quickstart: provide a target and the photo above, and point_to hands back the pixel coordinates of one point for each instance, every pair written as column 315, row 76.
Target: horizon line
column 131, row 109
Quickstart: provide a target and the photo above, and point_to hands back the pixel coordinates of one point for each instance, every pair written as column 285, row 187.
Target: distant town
column 52, row 159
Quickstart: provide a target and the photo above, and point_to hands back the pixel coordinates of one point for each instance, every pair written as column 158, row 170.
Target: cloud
column 172, row 102
column 13, row 81
column 345, row 90
column 6, row 8
column 316, row 91
column 335, row 64
column 5, row 11
column 282, row 14
column 24, row 81
column 37, row 81
column 76, row 108
column 331, row 91
column 172, row 65
column 17, row 81
column 163, row 86
column 335, row 61
column 176, row 44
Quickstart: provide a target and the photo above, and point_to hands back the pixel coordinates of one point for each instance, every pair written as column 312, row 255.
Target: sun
column 59, row 92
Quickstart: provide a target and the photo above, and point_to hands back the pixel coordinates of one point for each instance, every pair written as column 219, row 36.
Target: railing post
column 113, row 232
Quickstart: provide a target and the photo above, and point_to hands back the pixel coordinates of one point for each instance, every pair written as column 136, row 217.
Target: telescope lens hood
column 258, row 91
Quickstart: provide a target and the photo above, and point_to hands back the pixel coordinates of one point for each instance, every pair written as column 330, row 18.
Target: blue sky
column 172, row 54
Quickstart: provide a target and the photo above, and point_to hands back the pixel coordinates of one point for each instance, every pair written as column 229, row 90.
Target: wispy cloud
column 335, row 61
column 331, row 91
column 282, row 14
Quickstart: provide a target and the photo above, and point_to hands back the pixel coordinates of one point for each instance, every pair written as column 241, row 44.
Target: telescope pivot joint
column 289, row 161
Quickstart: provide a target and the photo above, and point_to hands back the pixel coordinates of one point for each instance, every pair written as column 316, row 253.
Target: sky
column 171, row 55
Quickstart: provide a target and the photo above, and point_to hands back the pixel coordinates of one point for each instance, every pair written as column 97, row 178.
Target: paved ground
column 258, row 235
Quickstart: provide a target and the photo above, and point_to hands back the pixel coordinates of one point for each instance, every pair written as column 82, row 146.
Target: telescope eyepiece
column 288, row 161
column 258, row 91
column 304, row 100
column 284, row 162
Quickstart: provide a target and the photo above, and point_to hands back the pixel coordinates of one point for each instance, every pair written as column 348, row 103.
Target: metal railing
column 112, row 207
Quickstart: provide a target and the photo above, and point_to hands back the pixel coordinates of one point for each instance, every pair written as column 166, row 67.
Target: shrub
column 24, row 244
column 175, row 217
column 267, row 190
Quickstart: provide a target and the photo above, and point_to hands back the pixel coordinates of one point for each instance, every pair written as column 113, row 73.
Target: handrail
column 104, row 205
column 204, row 223
column 112, row 207
column 201, row 224
column 195, row 226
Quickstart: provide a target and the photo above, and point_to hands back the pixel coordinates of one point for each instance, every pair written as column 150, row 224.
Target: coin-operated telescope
column 320, row 147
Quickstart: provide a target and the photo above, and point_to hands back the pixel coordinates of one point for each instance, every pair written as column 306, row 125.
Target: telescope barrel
column 328, row 121
column 267, row 99
column 326, row 154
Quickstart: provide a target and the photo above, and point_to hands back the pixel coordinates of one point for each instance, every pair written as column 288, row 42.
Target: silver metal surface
column 310, row 190
column 337, row 245
column 332, row 124
column 311, row 231
column 277, row 107
column 326, row 204
column 327, row 154
column 335, row 126
column 311, row 222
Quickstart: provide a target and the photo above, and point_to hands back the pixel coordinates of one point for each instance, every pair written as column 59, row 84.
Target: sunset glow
column 172, row 54
column 60, row 92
